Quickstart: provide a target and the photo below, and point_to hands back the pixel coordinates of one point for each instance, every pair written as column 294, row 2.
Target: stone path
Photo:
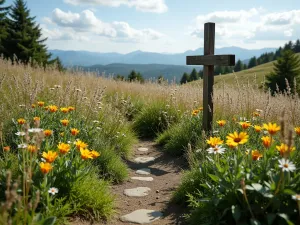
column 144, row 198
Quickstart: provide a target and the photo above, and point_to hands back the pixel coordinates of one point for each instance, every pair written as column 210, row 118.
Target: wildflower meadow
column 66, row 138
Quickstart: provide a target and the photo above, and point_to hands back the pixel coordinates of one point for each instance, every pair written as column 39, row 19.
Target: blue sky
column 164, row 25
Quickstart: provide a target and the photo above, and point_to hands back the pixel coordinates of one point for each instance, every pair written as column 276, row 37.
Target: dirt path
column 166, row 172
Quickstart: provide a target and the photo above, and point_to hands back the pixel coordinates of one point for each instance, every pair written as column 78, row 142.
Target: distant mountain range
column 85, row 58
column 148, row 71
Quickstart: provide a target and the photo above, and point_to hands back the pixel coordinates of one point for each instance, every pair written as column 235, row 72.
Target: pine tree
column 133, row 76
column 277, row 53
column 3, row 25
column 219, row 70
column 296, row 47
column 288, row 46
column 287, row 68
column 228, row 69
column 252, row 62
column 59, row 64
column 194, row 75
column 25, row 37
column 140, row 77
column 238, row 66
column 185, row 78
column 200, row 74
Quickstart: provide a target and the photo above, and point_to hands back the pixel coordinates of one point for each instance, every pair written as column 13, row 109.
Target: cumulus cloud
column 227, row 16
column 154, row 6
column 65, row 35
column 74, row 25
column 253, row 24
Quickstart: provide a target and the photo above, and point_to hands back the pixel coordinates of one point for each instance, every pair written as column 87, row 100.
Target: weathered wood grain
column 209, row 60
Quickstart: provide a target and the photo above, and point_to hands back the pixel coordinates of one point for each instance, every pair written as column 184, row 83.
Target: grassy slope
column 257, row 74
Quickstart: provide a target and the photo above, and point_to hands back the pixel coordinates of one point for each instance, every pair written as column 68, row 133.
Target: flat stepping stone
column 137, row 192
column 143, row 149
column 142, row 178
column 143, row 171
column 145, row 159
column 142, row 216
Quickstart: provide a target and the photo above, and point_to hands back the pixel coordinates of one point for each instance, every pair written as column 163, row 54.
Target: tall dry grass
column 21, row 85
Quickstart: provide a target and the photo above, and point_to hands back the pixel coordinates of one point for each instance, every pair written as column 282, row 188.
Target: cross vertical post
column 208, row 77
column 209, row 60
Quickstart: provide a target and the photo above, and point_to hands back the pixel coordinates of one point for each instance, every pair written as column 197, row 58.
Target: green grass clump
column 176, row 139
column 91, row 198
column 155, row 118
column 111, row 166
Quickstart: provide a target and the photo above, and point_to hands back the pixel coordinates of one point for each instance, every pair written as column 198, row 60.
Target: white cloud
column 65, row 35
column 154, row 6
column 86, row 24
column 227, row 16
column 253, row 24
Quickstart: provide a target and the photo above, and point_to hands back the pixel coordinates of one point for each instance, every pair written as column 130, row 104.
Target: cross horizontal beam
column 211, row 60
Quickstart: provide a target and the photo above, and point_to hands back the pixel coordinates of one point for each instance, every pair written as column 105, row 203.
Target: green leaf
column 205, row 186
column 273, row 186
column 271, row 217
column 286, row 218
column 289, row 192
column 49, row 221
column 214, row 177
column 255, row 222
column 220, row 168
column 236, row 212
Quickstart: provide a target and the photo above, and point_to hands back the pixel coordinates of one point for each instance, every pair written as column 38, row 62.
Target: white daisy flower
column 296, row 197
column 35, row 130
column 286, row 165
column 22, row 145
column 20, row 133
column 53, row 191
column 216, row 150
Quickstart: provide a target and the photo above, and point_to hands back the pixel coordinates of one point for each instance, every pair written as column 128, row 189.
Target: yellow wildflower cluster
column 234, row 139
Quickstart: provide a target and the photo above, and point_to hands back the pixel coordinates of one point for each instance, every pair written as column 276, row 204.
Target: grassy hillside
column 256, row 74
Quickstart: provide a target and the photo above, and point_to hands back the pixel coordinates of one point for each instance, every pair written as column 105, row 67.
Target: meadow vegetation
column 246, row 171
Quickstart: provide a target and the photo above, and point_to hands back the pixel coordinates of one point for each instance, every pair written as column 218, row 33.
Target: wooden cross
column 209, row 60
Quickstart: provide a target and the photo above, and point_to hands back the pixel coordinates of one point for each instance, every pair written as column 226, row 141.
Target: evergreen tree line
column 21, row 37
column 194, row 75
column 239, row 66
column 133, row 76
